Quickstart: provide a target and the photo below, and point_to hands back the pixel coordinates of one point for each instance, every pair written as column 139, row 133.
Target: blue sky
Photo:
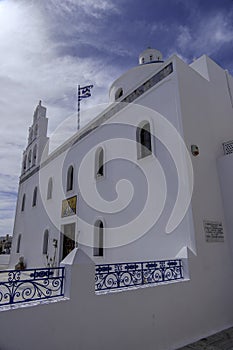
column 47, row 47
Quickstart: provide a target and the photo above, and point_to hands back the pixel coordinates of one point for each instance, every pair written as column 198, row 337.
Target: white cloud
column 184, row 39
column 32, row 68
column 6, row 225
column 8, row 185
column 95, row 8
column 208, row 36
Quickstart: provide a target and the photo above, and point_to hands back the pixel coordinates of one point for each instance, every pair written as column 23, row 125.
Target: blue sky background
column 47, row 47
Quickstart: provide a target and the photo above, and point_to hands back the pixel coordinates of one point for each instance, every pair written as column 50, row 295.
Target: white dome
column 150, row 55
column 150, row 60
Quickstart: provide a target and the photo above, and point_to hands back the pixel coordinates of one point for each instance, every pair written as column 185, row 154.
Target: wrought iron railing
column 30, row 285
column 127, row 275
column 228, row 147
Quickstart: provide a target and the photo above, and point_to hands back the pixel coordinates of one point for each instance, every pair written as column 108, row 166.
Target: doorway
column 67, row 239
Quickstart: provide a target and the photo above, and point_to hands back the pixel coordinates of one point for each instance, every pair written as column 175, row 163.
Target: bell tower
column 37, row 139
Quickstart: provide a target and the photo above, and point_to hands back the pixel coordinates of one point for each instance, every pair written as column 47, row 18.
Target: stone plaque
column 213, row 231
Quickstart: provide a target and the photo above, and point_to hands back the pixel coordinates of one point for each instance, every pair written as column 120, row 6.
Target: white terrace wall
column 164, row 317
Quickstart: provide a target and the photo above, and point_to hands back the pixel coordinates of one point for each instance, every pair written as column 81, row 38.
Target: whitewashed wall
column 225, row 168
column 165, row 317
column 201, row 111
column 155, row 244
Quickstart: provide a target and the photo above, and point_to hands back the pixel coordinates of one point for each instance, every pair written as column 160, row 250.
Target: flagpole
column 78, row 116
column 83, row 92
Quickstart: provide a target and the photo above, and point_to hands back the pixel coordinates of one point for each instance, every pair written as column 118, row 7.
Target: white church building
column 144, row 192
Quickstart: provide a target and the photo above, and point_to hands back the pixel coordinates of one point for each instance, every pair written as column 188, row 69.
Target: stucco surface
column 219, row 341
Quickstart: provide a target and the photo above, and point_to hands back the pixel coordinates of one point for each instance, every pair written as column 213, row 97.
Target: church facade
column 142, row 181
column 141, row 196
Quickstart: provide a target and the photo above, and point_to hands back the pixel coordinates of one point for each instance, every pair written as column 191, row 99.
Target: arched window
column 18, row 244
column 23, row 202
column 25, row 163
column 99, row 163
column 34, row 155
column 36, row 131
column 144, row 140
column 45, row 242
column 30, row 135
column 118, row 93
column 29, row 159
column 34, row 200
column 98, row 238
column 50, row 188
column 70, row 178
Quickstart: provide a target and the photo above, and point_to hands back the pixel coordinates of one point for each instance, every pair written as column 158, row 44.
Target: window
column 23, row 202
column 29, row 158
column 34, row 155
column 34, row 200
column 118, row 93
column 143, row 60
column 18, row 244
column 144, row 140
column 99, row 163
column 45, row 242
column 50, row 188
column 70, row 177
column 36, row 131
column 151, row 57
column 30, row 136
column 98, row 239
column 25, row 163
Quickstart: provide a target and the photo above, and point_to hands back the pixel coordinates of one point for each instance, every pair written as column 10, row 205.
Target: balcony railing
column 109, row 277
column 30, row 285
column 228, row 147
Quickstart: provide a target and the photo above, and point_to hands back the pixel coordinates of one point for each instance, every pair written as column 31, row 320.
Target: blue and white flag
column 84, row 92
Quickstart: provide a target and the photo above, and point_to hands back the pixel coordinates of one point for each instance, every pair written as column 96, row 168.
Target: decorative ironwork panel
column 125, row 275
column 30, row 285
column 228, row 147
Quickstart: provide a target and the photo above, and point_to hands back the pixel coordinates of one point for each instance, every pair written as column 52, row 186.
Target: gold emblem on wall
column 69, row 206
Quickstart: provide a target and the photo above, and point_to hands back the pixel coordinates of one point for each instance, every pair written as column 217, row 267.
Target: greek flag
column 84, row 92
